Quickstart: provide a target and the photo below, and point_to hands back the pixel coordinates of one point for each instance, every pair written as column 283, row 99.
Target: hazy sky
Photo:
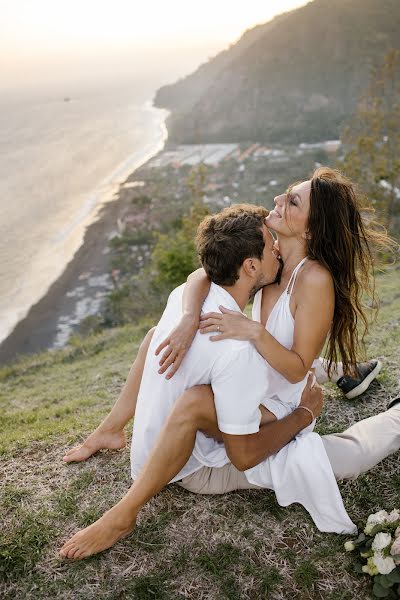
column 42, row 39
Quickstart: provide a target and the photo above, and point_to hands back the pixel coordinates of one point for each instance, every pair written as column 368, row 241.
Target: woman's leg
column 110, row 433
column 193, row 411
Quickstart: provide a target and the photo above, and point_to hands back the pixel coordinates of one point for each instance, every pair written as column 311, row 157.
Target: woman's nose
column 278, row 199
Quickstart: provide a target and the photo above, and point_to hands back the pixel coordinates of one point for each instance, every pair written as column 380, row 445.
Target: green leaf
column 377, row 529
column 358, row 568
column 394, row 576
column 384, row 581
column 360, row 538
column 379, row 591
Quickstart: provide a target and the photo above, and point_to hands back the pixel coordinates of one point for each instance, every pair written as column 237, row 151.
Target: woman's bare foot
column 104, row 533
column 99, row 439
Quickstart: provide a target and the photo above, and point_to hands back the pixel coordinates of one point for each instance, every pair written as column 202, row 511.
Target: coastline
column 86, row 278
column 38, row 330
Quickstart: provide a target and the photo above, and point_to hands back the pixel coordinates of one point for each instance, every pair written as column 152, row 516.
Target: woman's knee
column 197, row 403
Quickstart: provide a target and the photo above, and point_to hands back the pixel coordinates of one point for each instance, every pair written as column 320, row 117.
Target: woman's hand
column 229, row 324
column 177, row 344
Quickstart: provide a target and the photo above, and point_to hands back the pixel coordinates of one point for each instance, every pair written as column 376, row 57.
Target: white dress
column 282, row 397
column 300, row 471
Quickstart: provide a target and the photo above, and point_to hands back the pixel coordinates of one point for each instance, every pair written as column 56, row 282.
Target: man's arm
column 246, row 451
column 179, row 340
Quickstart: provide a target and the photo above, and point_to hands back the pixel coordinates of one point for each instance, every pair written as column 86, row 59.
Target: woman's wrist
column 255, row 331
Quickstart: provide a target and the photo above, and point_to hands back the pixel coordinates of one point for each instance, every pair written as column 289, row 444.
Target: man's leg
column 193, row 411
column 110, row 433
column 351, row 453
column 364, row 444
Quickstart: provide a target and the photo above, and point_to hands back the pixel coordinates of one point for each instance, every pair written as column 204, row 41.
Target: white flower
column 395, row 549
column 381, row 540
column 397, row 533
column 370, row 567
column 378, row 517
column 394, row 516
column 349, row 546
column 384, row 565
column 375, row 519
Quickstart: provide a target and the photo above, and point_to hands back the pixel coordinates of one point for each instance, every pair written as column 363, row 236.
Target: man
column 166, row 427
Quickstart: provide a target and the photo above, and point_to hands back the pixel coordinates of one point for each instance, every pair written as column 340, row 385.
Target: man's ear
column 249, row 266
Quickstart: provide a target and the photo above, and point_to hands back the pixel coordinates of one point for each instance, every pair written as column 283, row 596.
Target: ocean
column 62, row 159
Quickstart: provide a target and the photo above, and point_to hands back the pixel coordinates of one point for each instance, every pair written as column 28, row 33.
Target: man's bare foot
column 99, row 439
column 103, row 534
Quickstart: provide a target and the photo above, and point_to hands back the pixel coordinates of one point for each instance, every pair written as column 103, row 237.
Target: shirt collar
column 225, row 297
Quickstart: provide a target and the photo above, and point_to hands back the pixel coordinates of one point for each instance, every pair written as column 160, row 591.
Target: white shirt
column 299, row 472
column 235, row 370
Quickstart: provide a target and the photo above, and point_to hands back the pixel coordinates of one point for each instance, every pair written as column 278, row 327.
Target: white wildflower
column 375, row 519
column 394, row 516
column 378, row 517
column 395, row 549
column 349, row 546
column 397, row 533
column 384, row 564
column 381, row 540
column 366, row 569
column 370, row 567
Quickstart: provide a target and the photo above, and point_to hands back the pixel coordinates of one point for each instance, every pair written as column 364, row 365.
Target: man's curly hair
column 226, row 239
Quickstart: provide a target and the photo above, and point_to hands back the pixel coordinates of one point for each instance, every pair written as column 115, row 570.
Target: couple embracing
column 237, row 406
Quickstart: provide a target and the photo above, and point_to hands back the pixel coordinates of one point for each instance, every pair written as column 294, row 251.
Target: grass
column 237, row 546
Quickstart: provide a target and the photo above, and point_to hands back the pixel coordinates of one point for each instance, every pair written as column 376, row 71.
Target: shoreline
column 37, row 331
column 86, row 278
column 84, row 281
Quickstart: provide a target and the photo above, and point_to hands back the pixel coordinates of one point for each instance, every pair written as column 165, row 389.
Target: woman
column 317, row 220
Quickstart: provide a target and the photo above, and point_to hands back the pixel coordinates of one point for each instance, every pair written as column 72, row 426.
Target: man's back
column 235, row 370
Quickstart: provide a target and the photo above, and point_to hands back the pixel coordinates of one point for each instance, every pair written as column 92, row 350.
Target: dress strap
column 292, row 280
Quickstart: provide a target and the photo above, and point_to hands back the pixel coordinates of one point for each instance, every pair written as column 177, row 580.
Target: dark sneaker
column 353, row 387
column 394, row 402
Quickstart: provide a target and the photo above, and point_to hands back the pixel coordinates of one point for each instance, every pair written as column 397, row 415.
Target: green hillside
column 241, row 545
column 293, row 79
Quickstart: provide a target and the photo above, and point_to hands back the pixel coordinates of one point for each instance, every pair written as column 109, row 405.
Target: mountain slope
column 295, row 78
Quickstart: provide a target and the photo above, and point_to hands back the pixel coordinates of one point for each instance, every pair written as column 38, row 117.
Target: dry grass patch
column 241, row 545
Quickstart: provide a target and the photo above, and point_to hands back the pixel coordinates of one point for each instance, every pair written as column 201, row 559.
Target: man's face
column 269, row 264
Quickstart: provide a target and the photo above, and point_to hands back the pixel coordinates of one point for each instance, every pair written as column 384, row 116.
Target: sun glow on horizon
column 45, row 33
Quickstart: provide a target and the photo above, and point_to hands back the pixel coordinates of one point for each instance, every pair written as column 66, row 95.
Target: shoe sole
column 364, row 385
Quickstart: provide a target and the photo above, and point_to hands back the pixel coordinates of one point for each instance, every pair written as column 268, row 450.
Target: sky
column 63, row 39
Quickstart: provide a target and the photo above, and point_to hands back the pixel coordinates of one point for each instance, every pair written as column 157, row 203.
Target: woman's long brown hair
column 342, row 239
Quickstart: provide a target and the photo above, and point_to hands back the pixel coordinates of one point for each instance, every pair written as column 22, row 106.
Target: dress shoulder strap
column 292, row 280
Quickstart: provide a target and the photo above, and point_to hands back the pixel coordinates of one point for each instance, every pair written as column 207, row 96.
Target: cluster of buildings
column 213, row 154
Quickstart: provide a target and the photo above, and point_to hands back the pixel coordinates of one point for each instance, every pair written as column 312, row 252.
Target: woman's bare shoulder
column 315, row 277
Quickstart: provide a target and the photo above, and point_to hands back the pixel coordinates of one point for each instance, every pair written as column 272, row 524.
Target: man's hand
column 177, row 344
column 312, row 397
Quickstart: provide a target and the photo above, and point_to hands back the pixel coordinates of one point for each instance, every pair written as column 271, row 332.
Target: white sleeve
column 239, row 384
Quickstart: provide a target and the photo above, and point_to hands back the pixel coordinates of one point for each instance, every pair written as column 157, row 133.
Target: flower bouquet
column 379, row 546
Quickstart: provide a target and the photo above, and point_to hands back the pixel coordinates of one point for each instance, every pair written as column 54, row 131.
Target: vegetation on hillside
column 294, row 79
column 372, row 142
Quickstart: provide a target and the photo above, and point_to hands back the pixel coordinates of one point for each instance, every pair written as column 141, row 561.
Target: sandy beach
column 82, row 285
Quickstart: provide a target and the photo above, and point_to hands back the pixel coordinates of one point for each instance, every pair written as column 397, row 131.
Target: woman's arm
column 313, row 317
column 178, row 342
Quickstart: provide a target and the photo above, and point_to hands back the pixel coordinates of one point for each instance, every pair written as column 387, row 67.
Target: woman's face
column 290, row 215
